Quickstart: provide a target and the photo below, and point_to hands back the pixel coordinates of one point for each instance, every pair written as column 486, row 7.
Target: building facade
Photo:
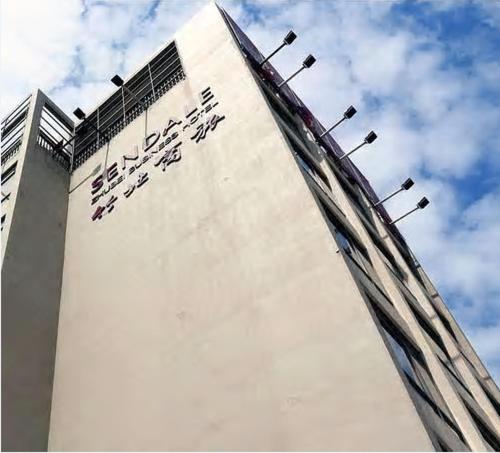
column 200, row 271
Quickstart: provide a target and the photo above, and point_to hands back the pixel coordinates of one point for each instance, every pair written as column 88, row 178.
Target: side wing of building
column 35, row 183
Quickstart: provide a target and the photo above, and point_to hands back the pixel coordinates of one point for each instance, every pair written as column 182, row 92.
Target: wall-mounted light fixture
column 118, row 81
column 307, row 63
column 405, row 186
column 289, row 38
column 349, row 113
column 79, row 113
column 420, row 205
column 370, row 138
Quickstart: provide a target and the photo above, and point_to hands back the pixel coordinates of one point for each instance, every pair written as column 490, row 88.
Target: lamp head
column 117, row 80
column 350, row 112
column 309, row 61
column 423, row 203
column 78, row 112
column 407, row 184
column 289, row 38
column 371, row 137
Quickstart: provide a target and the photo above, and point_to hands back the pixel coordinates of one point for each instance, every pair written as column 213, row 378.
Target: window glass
column 412, row 363
column 311, row 166
column 323, row 180
column 343, row 241
column 9, row 173
column 406, row 354
column 401, row 356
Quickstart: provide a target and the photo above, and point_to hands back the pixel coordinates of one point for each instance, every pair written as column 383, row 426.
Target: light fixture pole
column 349, row 113
column 79, row 113
column 420, row 205
column 307, row 63
column 405, row 186
column 370, row 138
column 118, row 81
column 289, row 38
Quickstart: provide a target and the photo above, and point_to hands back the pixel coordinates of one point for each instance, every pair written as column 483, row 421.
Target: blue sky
column 425, row 75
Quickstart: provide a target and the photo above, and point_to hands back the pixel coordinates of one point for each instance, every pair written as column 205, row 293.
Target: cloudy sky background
column 424, row 75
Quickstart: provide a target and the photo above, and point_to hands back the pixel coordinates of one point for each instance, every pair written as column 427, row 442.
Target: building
column 200, row 271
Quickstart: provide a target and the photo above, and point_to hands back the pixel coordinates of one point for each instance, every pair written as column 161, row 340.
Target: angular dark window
column 354, row 196
column 310, row 166
column 426, row 325
column 9, row 173
column 402, row 356
column 393, row 265
column 412, row 363
column 446, row 324
column 492, row 399
column 488, row 436
column 343, row 242
column 455, row 374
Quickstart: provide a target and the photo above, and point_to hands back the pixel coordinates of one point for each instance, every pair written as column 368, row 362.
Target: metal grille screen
column 149, row 84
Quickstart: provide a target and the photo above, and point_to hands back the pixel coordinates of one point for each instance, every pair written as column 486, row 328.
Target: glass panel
column 402, row 357
column 343, row 241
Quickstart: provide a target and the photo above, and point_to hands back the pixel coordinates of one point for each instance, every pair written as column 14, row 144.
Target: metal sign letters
column 161, row 147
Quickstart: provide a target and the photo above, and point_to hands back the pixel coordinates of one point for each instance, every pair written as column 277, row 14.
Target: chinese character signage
column 162, row 148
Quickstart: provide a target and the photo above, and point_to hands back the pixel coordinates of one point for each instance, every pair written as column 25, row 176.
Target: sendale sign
column 159, row 149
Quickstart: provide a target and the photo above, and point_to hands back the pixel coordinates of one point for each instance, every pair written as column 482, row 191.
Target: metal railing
column 12, row 130
column 151, row 82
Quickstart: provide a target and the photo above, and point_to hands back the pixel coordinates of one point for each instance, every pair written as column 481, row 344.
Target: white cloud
column 36, row 45
column 483, row 339
column 70, row 46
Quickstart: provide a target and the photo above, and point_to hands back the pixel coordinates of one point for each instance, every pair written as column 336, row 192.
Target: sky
column 425, row 75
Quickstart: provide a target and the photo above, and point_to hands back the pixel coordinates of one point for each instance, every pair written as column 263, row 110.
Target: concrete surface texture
column 209, row 310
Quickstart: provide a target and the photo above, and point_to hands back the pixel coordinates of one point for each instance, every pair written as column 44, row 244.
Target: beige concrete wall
column 209, row 311
column 31, row 289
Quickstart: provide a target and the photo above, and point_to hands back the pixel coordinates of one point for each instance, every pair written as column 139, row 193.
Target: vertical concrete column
column 31, row 287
